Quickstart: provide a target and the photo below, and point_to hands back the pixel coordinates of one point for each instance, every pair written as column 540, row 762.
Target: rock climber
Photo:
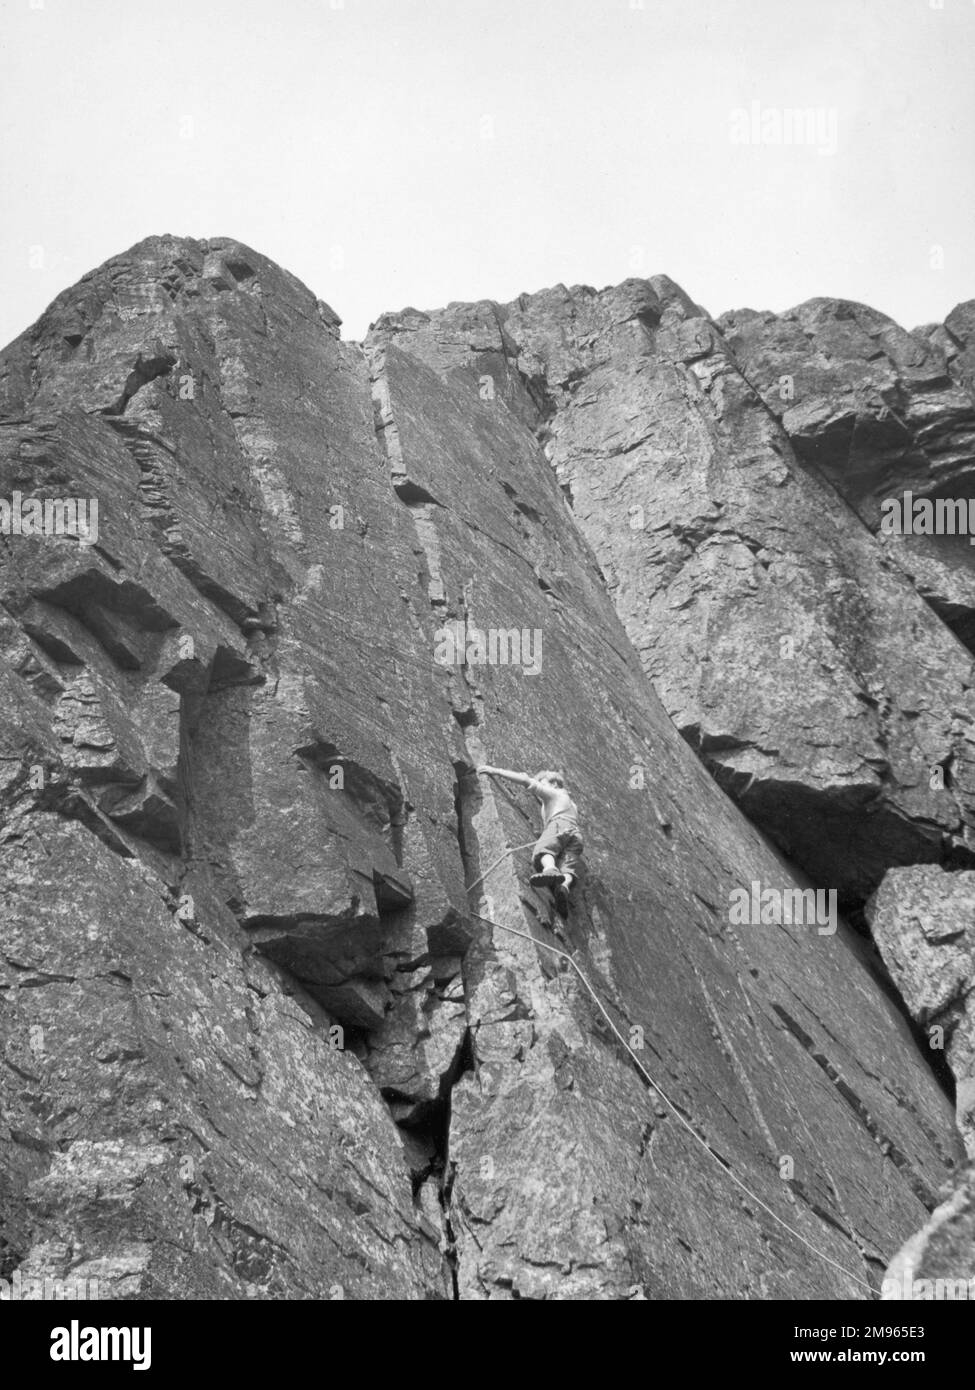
column 556, row 853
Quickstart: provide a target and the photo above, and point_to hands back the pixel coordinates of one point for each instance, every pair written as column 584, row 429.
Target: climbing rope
column 659, row 1090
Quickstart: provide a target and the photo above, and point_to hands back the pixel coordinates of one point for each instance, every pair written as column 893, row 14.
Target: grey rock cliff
column 770, row 621
column 281, row 1015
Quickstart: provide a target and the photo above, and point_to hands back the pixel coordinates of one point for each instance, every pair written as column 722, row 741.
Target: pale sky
column 395, row 152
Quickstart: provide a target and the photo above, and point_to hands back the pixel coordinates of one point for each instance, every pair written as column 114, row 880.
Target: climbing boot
column 549, row 880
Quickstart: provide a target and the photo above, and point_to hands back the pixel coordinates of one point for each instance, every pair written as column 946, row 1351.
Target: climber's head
column 554, row 779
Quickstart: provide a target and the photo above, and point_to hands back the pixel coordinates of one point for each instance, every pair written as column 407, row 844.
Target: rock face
column 281, row 1015
column 938, row 1262
column 771, row 623
column 877, row 412
column 923, row 920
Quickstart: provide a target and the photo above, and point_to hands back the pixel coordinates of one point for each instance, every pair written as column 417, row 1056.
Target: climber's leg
column 569, row 859
column 561, row 895
column 546, row 874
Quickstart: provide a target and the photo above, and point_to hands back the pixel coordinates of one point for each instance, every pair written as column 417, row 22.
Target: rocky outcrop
column 923, row 920
column 879, row 413
column 202, row 815
column 770, row 621
column 938, row 1263
column 282, row 1016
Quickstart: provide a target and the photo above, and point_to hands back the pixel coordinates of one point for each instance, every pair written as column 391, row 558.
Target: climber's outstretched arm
column 521, row 777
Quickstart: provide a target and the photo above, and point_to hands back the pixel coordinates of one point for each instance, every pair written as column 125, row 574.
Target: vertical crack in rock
column 464, row 702
column 480, row 833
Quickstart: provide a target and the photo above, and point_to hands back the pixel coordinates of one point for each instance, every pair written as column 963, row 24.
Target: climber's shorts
column 562, row 840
